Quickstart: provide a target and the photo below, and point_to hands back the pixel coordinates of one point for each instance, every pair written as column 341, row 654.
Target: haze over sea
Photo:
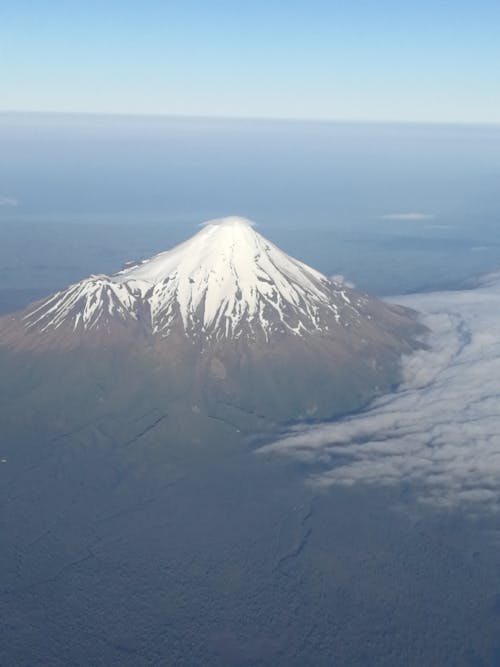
column 393, row 207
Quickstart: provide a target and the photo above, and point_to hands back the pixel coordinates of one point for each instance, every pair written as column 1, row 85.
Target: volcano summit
column 234, row 321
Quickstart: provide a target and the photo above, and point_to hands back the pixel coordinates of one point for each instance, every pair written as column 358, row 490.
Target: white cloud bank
column 440, row 432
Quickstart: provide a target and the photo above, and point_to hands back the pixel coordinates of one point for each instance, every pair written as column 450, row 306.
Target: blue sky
column 357, row 60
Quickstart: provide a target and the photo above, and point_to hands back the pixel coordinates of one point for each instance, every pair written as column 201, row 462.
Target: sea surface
column 395, row 208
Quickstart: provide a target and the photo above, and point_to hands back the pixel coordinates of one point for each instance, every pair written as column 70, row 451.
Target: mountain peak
column 233, row 326
column 225, row 282
column 231, row 221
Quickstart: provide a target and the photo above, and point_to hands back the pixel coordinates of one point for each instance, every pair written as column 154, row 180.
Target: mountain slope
column 240, row 329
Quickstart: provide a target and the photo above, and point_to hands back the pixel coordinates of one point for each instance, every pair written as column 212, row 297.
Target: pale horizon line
column 242, row 118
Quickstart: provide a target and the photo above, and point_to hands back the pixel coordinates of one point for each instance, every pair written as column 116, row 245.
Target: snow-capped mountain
column 224, row 282
column 225, row 325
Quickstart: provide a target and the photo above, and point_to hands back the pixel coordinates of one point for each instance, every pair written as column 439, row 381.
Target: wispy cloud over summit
column 408, row 217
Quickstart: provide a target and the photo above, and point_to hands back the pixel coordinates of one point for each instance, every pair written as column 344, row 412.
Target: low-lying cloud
column 440, row 432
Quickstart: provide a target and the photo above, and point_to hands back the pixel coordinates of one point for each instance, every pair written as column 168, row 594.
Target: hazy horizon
column 394, row 207
column 165, row 115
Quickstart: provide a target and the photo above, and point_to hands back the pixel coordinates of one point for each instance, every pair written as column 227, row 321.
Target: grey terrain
column 141, row 524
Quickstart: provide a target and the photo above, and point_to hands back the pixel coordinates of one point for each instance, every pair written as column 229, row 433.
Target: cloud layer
column 440, row 432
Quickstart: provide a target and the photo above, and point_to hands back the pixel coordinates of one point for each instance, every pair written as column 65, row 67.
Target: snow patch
column 224, row 280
